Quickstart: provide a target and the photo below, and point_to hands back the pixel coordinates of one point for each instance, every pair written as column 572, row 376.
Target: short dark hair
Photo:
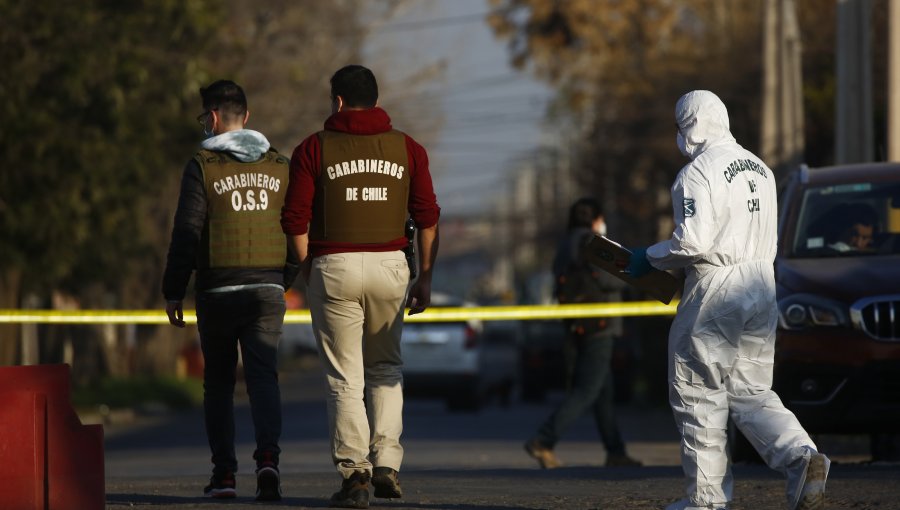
column 583, row 212
column 225, row 96
column 836, row 221
column 356, row 85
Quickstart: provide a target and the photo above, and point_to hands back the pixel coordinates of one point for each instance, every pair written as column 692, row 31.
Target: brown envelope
column 613, row 258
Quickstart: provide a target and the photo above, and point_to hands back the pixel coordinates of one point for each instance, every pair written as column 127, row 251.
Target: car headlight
column 806, row 310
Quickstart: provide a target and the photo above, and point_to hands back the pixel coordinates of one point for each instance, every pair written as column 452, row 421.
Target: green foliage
column 98, row 99
column 94, row 96
column 134, row 392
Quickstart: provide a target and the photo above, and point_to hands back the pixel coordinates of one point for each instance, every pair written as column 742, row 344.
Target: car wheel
column 532, row 387
column 505, row 393
column 470, row 400
column 534, row 395
column 885, row 447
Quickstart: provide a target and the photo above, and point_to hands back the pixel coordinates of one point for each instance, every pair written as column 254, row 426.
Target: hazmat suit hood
column 702, row 122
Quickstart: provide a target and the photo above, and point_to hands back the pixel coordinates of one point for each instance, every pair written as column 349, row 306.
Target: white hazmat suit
column 722, row 340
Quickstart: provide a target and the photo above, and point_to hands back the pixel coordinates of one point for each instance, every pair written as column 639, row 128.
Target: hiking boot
column 812, row 496
column 386, row 483
column 545, row 456
column 354, row 492
column 621, row 460
column 220, row 486
column 268, row 480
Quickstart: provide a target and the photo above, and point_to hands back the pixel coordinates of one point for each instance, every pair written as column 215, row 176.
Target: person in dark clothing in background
column 590, row 342
column 227, row 229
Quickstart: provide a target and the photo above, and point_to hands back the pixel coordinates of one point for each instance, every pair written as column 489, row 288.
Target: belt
column 249, row 286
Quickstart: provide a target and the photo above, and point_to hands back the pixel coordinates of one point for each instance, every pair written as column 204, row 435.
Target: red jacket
column 306, row 166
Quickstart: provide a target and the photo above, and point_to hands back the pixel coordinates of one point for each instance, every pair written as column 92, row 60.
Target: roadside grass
column 139, row 392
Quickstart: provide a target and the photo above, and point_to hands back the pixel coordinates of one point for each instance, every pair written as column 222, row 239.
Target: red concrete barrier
column 48, row 459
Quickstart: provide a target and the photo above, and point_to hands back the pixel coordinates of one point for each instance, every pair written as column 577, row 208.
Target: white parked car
column 463, row 362
column 298, row 339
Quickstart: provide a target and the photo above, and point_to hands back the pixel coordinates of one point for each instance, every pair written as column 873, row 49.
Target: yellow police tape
column 434, row 314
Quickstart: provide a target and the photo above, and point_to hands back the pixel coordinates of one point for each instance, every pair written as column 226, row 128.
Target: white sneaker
column 812, row 495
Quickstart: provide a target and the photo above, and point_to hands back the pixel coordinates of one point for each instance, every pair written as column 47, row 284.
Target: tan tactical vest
column 244, row 210
column 362, row 193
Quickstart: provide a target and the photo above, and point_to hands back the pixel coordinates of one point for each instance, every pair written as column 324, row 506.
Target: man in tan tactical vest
column 227, row 230
column 352, row 187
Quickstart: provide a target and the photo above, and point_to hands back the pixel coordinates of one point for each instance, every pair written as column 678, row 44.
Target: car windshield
column 849, row 220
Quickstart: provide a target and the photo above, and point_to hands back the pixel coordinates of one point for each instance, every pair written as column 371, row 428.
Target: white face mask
column 682, row 144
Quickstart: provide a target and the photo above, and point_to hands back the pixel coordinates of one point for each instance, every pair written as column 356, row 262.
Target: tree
column 619, row 67
column 92, row 97
column 99, row 99
column 818, row 23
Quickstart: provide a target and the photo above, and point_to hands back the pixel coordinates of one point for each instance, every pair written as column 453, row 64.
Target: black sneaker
column 621, row 460
column 386, row 483
column 268, row 482
column 354, row 492
column 220, row 486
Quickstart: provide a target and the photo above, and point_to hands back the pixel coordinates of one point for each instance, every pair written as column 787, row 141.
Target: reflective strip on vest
column 363, row 190
column 244, row 210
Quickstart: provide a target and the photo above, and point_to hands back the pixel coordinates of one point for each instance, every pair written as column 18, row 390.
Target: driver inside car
column 855, row 228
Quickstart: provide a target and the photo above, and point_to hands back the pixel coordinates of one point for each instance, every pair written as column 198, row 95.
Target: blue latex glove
column 638, row 265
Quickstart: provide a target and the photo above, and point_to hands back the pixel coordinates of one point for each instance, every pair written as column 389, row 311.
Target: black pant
column 591, row 390
column 251, row 318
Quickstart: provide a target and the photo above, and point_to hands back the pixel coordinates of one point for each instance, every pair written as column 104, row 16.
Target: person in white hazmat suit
column 722, row 340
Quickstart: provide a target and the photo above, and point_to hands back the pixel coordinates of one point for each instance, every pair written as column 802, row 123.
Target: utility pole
column 782, row 140
column 893, row 91
column 854, row 137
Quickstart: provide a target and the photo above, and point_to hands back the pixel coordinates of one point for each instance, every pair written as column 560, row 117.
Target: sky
column 491, row 113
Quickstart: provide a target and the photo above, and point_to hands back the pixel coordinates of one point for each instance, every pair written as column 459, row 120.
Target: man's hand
column 420, row 293
column 299, row 246
column 175, row 311
column 419, row 296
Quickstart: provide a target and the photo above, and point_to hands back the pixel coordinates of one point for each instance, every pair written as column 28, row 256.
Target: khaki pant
column 357, row 301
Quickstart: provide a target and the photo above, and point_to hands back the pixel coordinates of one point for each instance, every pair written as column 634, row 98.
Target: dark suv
column 837, row 362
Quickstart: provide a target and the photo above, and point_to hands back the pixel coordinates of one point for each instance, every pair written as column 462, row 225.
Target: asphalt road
column 457, row 461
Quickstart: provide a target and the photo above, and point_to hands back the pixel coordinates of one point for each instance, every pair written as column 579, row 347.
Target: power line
column 463, row 19
column 469, row 86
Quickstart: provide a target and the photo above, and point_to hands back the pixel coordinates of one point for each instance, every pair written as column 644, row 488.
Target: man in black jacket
column 227, row 230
